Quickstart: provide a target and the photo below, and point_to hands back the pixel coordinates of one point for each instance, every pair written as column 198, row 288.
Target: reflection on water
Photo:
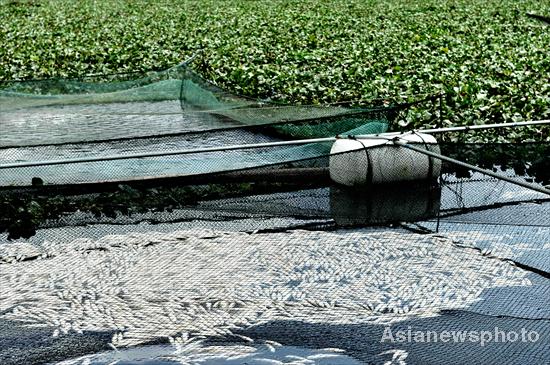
column 75, row 123
column 78, row 123
column 125, row 169
column 384, row 204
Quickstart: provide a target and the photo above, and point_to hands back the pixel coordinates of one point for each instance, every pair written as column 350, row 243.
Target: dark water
column 166, row 355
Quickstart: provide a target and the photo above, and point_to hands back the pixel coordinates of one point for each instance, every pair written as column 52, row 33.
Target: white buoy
column 355, row 162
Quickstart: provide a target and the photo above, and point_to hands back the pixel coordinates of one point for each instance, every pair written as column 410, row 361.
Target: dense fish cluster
column 145, row 286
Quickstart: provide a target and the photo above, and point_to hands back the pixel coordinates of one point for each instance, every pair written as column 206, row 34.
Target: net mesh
column 174, row 101
column 258, row 255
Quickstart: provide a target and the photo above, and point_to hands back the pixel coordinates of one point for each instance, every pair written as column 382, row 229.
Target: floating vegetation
column 488, row 57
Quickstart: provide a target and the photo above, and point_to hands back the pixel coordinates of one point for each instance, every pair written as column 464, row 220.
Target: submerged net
column 162, row 111
column 258, row 255
column 174, row 101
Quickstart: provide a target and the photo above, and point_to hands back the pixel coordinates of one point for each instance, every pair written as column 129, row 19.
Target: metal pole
column 384, row 136
column 465, row 128
column 164, row 153
column 441, row 113
column 524, row 184
column 542, row 18
column 190, row 59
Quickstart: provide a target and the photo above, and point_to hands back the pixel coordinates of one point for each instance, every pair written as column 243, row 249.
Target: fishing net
column 260, row 255
column 174, row 101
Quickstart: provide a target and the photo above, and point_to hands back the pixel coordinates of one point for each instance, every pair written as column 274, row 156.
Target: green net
column 174, row 109
column 154, row 86
column 177, row 100
column 198, row 94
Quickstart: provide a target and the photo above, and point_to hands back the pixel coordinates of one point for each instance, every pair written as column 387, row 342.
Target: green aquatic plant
column 488, row 57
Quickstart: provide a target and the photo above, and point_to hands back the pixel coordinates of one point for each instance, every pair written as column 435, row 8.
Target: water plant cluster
column 487, row 56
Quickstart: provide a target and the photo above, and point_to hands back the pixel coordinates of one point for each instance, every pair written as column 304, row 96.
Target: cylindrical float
column 356, row 162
